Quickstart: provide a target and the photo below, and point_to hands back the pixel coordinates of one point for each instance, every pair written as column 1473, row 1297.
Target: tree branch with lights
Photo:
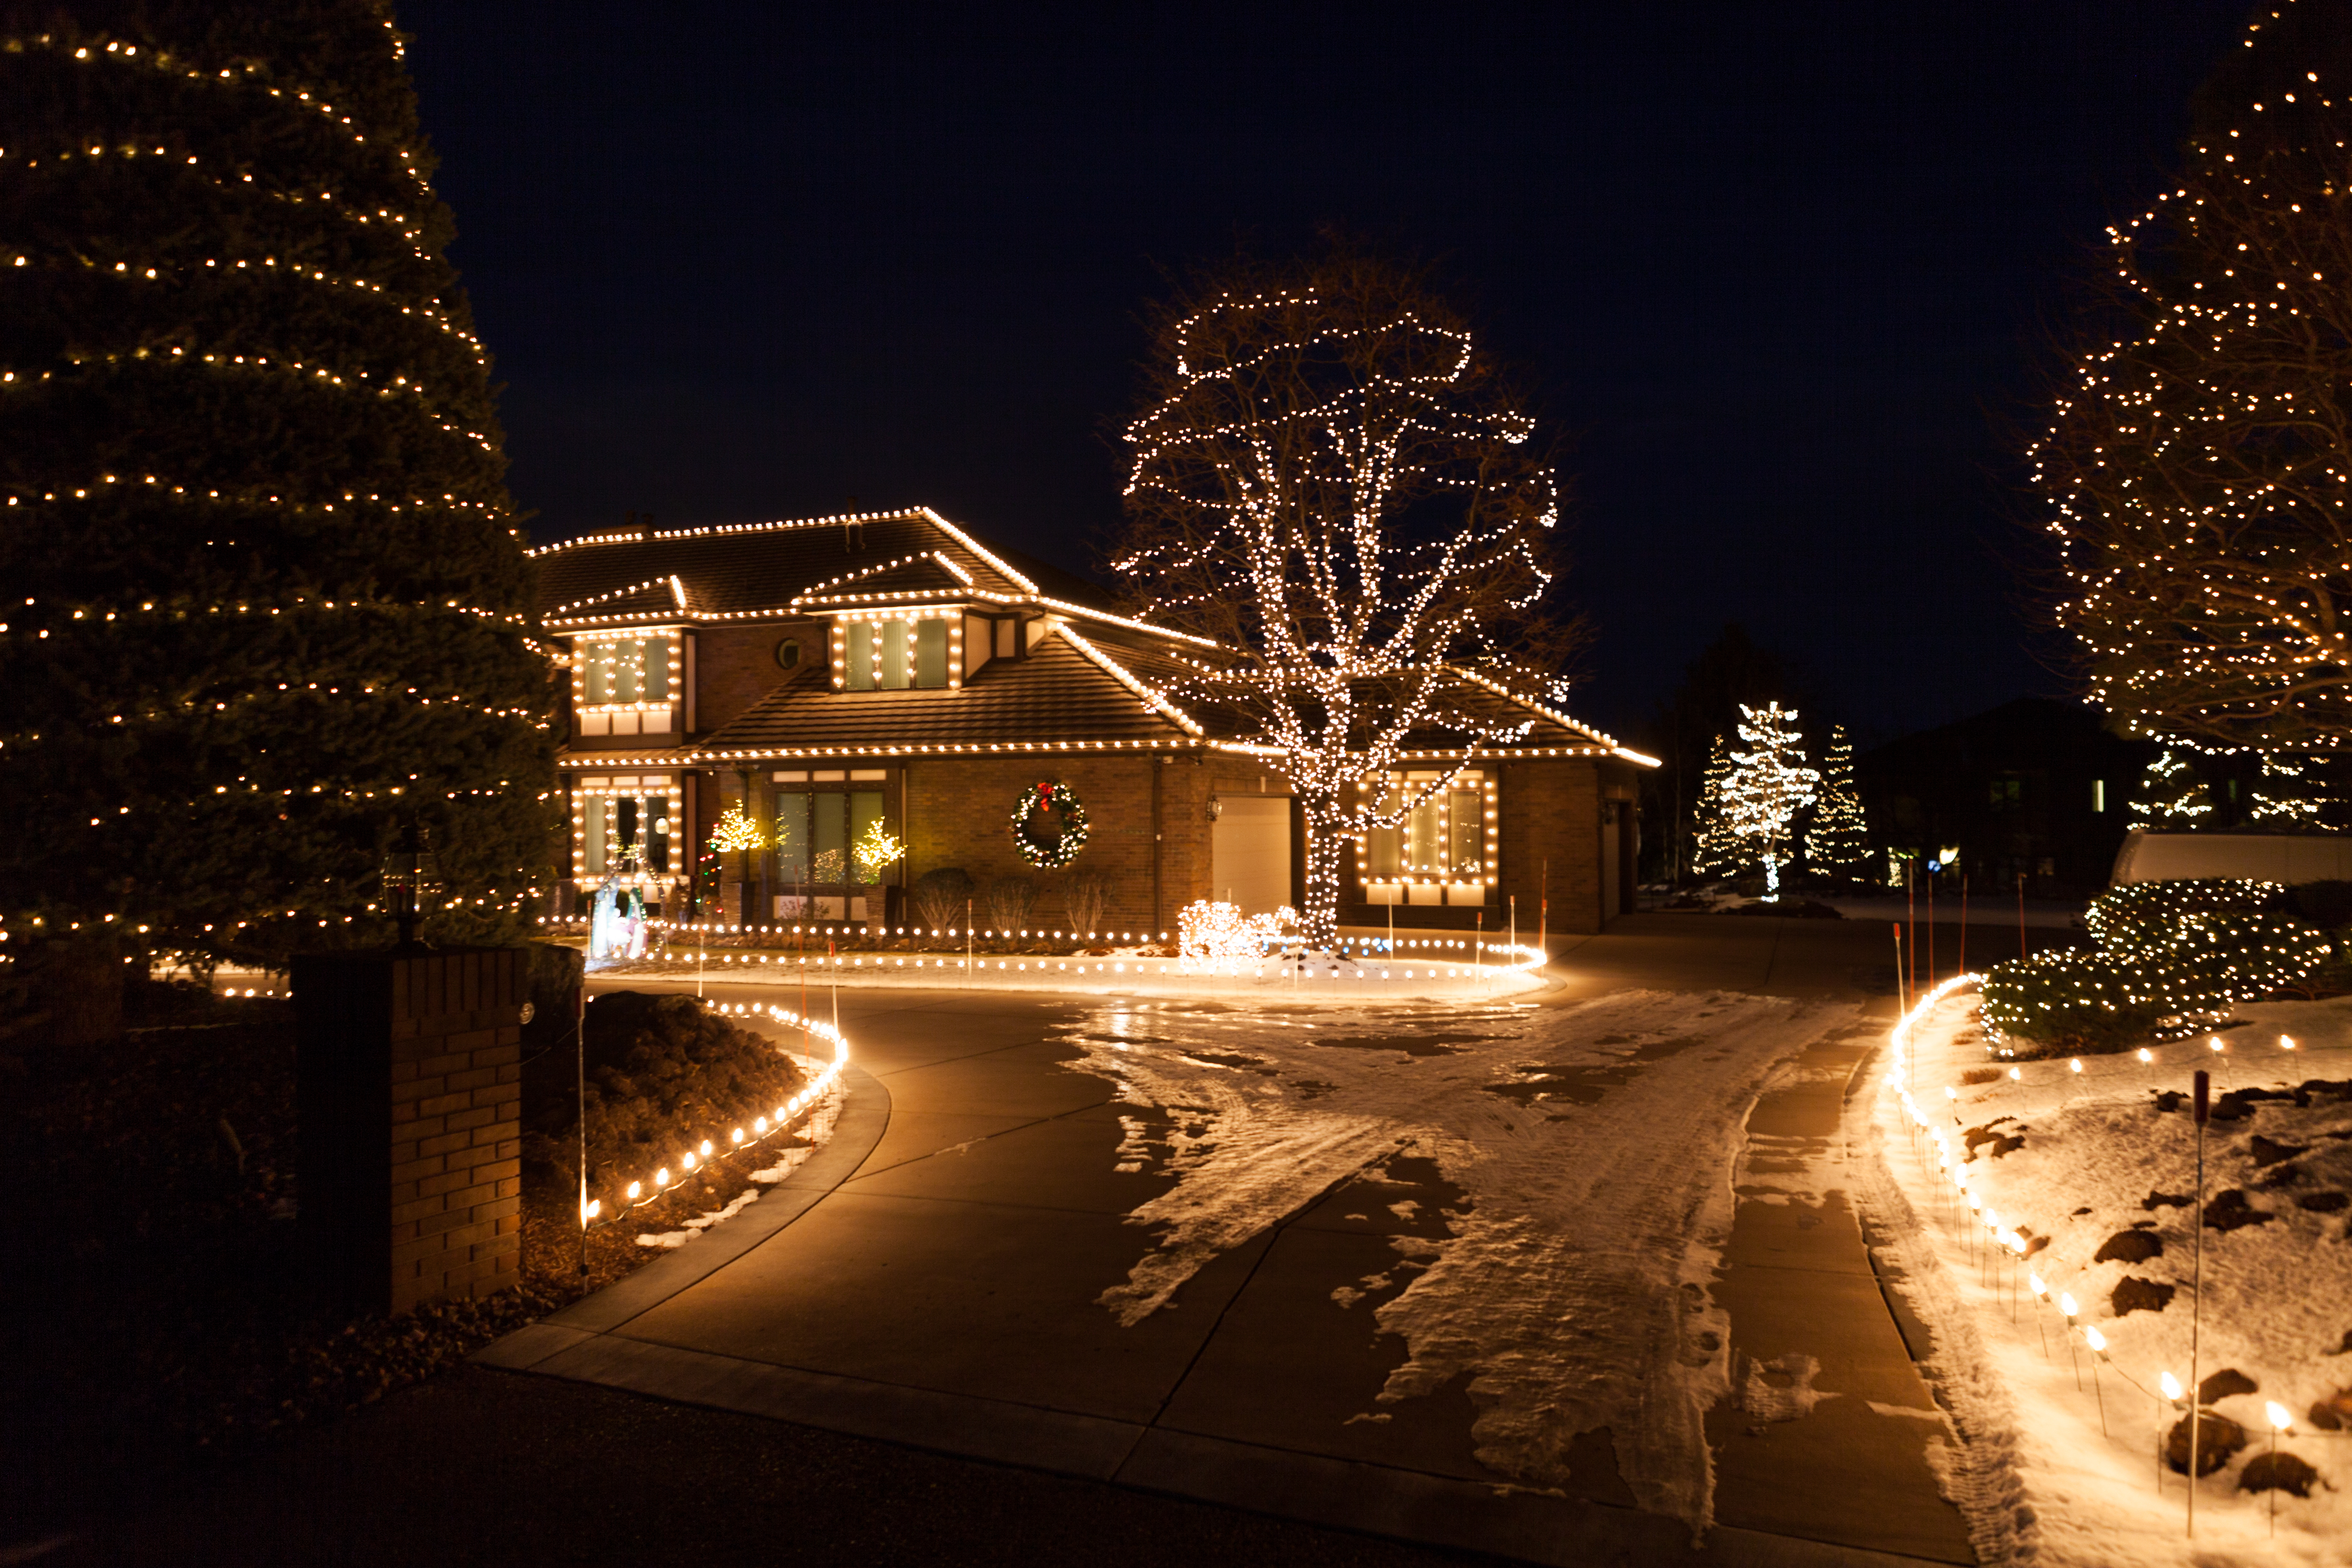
column 1331, row 481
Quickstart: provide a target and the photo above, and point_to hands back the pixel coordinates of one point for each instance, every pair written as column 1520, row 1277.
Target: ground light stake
column 2171, row 1395
column 2201, row 1109
column 1902, row 992
column 2280, row 1421
column 2066, row 1308
column 2098, row 1342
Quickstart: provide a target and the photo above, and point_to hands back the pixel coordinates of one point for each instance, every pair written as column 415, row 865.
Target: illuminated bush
column 2169, row 955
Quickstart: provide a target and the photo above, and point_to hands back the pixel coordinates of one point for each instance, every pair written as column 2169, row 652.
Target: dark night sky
column 1779, row 270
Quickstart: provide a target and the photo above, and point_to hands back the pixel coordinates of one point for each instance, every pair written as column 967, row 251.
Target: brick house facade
column 829, row 675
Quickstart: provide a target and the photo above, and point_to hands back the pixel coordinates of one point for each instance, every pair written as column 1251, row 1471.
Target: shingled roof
column 738, row 571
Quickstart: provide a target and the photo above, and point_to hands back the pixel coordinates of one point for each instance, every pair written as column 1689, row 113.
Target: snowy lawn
column 2096, row 1168
column 1593, row 1145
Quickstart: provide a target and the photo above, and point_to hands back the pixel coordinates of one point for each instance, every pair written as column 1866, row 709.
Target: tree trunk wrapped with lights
column 268, row 597
column 1331, row 481
column 2200, row 457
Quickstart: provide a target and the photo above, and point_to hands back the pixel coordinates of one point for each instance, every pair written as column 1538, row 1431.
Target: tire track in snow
column 1573, row 1293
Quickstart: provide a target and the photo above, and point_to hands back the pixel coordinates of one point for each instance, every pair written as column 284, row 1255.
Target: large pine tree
column 2198, row 460
column 267, row 597
column 1837, row 841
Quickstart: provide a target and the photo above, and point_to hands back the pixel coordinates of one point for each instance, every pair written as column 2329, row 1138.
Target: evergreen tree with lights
column 2285, row 796
column 2171, row 796
column 1330, row 479
column 268, row 601
column 1716, row 849
column 1837, row 841
column 1769, row 783
column 2199, row 457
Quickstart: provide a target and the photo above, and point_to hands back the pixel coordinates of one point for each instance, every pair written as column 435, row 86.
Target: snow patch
column 1593, row 1146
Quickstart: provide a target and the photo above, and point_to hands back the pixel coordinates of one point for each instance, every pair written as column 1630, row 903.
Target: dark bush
column 943, row 898
column 2327, row 905
column 662, row 1075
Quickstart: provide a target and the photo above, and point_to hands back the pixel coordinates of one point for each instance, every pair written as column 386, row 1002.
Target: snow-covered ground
column 2104, row 1163
column 1594, row 1145
column 810, row 1136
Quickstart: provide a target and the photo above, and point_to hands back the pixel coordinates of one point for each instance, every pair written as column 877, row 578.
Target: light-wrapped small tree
column 1768, row 786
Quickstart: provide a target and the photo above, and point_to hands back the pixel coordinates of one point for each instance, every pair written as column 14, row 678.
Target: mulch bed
column 154, row 1307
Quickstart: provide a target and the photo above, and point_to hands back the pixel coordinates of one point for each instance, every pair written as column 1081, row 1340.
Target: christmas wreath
column 1049, row 827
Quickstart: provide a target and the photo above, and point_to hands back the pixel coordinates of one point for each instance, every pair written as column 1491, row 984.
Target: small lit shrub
column 2169, row 954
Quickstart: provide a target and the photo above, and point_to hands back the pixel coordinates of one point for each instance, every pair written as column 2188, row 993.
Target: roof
column 1099, row 681
column 735, row 570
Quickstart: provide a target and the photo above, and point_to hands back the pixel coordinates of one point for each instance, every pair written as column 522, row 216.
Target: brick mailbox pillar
column 411, row 1097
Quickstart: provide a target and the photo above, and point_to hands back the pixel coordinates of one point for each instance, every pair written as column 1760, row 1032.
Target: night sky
column 1783, row 273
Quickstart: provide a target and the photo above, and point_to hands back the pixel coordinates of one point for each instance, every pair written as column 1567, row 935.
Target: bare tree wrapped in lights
column 2198, row 460
column 1837, row 840
column 1768, row 786
column 1331, row 481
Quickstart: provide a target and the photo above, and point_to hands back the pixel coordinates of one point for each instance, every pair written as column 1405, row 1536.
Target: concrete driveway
column 930, row 1277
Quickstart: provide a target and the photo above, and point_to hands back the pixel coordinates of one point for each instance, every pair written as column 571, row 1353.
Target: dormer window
column 621, row 671
column 891, row 655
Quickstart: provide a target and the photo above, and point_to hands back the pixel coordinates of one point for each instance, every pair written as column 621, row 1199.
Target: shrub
column 2169, row 954
column 660, row 1070
column 943, row 898
column 2066, row 1003
column 1084, row 893
column 1009, row 898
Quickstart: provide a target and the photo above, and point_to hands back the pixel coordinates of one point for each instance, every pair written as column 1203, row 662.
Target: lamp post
column 408, row 870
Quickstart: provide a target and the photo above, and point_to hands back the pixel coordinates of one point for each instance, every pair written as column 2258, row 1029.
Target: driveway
column 946, row 1274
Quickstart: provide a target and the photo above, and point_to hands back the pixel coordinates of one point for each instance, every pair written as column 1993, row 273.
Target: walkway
column 930, row 1278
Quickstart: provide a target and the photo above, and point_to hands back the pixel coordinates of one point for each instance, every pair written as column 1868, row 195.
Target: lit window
column 1444, row 838
column 892, row 656
column 624, row 669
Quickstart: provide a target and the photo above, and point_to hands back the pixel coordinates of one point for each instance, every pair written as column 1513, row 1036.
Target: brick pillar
column 411, row 1100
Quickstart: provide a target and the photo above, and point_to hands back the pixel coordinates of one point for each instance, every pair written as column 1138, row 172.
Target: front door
column 1249, row 853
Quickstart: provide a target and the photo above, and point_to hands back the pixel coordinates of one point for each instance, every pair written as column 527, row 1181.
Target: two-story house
column 825, row 675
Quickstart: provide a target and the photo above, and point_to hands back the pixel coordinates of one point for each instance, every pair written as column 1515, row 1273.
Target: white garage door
column 1249, row 852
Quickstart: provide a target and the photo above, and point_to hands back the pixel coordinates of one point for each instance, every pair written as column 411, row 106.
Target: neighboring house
column 891, row 668
column 2033, row 791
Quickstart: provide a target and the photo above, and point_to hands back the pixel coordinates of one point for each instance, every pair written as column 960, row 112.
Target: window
column 892, row 656
column 788, row 653
column 616, row 670
column 1444, row 839
column 613, row 825
column 816, row 829
column 2007, row 794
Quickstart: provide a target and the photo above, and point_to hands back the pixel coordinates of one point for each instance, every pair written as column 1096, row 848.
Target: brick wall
column 734, row 666
column 959, row 810
column 411, row 1115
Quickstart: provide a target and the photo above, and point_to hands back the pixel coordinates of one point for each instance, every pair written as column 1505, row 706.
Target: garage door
column 1249, row 852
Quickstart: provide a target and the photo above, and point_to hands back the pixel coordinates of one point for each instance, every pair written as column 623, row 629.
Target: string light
column 2195, row 478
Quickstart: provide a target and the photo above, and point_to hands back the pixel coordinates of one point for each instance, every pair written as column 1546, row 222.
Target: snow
column 2050, row 1486
column 815, row 1127
column 1593, row 1145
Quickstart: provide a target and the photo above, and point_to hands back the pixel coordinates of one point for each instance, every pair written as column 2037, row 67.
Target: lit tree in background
column 1716, row 849
column 267, row 598
column 2170, row 795
column 735, row 833
column 2197, row 464
column 1330, row 481
column 1768, row 786
column 1837, row 840
column 2284, row 797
